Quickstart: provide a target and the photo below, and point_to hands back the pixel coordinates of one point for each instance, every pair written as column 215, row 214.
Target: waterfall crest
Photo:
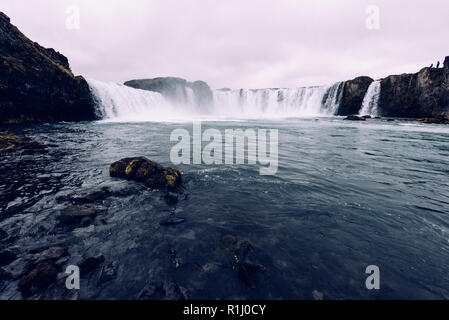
column 122, row 103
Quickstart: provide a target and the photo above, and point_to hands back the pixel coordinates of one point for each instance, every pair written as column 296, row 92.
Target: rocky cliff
column 422, row 94
column 353, row 93
column 177, row 90
column 36, row 84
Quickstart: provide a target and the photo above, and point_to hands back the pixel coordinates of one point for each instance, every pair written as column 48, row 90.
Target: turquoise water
column 346, row 195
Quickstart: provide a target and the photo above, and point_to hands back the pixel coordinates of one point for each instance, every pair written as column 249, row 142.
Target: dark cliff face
column 36, row 84
column 353, row 93
column 175, row 89
column 421, row 94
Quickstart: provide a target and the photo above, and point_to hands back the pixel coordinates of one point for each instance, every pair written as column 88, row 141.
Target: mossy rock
column 437, row 120
column 12, row 144
column 146, row 171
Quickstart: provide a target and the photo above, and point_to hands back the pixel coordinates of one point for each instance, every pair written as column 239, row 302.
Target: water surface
column 346, row 195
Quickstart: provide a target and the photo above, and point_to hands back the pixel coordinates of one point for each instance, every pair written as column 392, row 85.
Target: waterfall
column 296, row 102
column 116, row 102
column 370, row 102
column 332, row 98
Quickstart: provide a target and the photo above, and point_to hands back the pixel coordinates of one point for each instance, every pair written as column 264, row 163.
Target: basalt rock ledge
column 37, row 84
column 422, row 94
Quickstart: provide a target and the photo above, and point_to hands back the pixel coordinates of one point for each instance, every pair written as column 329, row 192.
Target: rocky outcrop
column 434, row 120
column 355, row 118
column 353, row 93
column 446, row 69
column 141, row 169
column 38, row 279
column 176, row 90
column 36, row 84
column 76, row 214
column 422, row 94
column 11, row 144
column 437, row 120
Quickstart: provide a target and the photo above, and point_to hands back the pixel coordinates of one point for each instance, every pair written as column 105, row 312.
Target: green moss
column 15, row 63
column 131, row 167
column 10, row 148
column 113, row 168
column 21, row 119
column 9, row 138
column 142, row 172
column 172, row 177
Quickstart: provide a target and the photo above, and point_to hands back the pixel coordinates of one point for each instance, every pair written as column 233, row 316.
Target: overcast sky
column 238, row 43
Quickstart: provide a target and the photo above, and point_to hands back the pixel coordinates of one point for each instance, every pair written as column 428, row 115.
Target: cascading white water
column 117, row 102
column 370, row 104
column 332, row 99
column 297, row 102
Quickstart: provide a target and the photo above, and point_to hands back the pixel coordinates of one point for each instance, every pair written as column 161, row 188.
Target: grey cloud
column 258, row 43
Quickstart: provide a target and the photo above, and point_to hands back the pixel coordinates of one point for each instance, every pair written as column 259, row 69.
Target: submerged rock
column 171, row 290
column 7, row 256
column 148, row 291
column 108, row 273
column 171, row 221
column 38, row 279
column 4, row 275
column 52, row 254
column 171, row 198
column 239, row 248
column 17, row 268
column 355, row 118
column 211, row 267
column 12, row 144
column 91, row 264
column 436, row 120
column 166, row 290
column 75, row 214
column 3, row 234
column 141, row 169
column 247, row 271
column 91, row 197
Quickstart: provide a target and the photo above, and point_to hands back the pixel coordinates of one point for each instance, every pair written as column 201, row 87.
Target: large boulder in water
column 36, row 84
column 355, row 118
column 141, row 169
column 353, row 93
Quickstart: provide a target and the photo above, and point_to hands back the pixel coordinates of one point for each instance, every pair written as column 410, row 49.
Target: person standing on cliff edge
column 438, row 64
column 431, row 66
